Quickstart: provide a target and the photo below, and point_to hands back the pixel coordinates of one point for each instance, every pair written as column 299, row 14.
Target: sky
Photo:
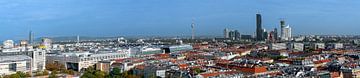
column 54, row 18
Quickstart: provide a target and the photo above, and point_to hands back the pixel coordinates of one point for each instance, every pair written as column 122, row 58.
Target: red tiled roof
column 322, row 61
column 183, row 66
column 206, row 75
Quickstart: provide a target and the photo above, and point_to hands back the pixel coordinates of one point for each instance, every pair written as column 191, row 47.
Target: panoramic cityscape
column 179, row 39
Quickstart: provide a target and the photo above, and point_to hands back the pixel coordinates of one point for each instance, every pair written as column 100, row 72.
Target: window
column 12, row 67
column 28, row 65
column 40, row 53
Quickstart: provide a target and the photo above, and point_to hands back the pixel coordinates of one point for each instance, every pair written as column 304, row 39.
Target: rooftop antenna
column 257, row 11
column 282, row 19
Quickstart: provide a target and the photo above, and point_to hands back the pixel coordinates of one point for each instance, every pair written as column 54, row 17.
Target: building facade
column 286, row 36
column 259, row 29
column 14, row 63
column 79, row 60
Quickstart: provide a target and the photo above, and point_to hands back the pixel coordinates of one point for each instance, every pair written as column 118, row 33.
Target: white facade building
column 298, row 47
column 319, row 46
column 37, row 56
column 286, row 36
column 14, row 63
column 161, row 73
column 39, row 59
column 8, row 44
column 80, row 60
column 226, row 33
column 338, row 45
column 277, row 46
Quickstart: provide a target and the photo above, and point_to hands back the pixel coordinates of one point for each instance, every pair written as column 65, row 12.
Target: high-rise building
column 286, row 36
column 77, row 39
column 265, row 34
column 259, row 29
column 193, row 30
column 237, row 35
column 234, row 35
column 226, row 33
column 275, row 34
column 31, row 37
column 282, row 26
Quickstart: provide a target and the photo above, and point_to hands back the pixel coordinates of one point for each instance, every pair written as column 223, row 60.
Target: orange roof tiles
column 183, row 66
column 206, row 75
column 322, row 61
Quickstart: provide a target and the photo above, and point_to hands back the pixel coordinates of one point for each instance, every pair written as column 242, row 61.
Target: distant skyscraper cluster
column 232, row 34
column 261, row 33
column 272, row 36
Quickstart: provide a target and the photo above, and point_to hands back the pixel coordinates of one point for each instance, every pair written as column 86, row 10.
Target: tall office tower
column 226, row 33
column 234, row 35
column 237, row 35
column 265, row 34
column 287, row 33
column 275, row 34
column 259, row 30
column 282, row 26
column 193, row 30
column 31, row 37
column 77, row 39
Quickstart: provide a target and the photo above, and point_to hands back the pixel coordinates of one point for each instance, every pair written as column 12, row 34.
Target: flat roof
column 12, row 58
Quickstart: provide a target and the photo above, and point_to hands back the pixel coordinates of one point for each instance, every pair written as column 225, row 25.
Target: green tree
column 55, row 66
column 197, row 70
column 88, row 75
column 45, row 72
column 15, row 76
column 91, row 73
column 100, row 74
column 116, row 71
column 52, row 75
column 70, row 72
column 21, row 74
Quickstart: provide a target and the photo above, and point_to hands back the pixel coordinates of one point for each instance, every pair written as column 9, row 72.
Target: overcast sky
column 52, row 18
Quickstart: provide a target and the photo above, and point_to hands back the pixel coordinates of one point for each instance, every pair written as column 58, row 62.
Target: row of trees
column 115, row 73
column 55, row 68
column 17, row 75
column 59, row 68
column 88, row 73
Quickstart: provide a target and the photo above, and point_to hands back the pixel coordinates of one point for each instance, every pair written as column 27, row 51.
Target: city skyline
column 179, row 39
column 172, row 18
